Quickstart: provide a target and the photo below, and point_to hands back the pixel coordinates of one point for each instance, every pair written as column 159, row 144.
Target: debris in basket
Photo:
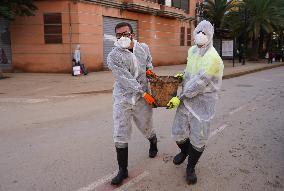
column 163, row 88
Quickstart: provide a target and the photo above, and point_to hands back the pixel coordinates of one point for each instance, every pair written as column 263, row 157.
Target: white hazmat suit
column 129, row 70
column 203, row 78
column 128, row 62
column 196, row 103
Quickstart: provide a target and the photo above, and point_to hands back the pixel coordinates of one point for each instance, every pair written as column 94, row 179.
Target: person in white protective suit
column 202, row 79
column 130, row 62
column 77, row 55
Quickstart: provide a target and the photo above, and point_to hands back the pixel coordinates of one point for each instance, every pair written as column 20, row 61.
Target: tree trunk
column 1, row 74
column 254, row 54
column 260, row 47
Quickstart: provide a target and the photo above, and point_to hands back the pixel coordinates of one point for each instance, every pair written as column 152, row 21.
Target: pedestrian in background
column 270, row 57
column 282, row 54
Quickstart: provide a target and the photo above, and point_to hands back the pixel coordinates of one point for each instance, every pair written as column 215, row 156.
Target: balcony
column 107, row 3
column 153, row 7
column 172, row 12
column 146, row 7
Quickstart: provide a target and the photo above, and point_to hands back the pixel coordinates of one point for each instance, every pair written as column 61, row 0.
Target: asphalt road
column 65, row 142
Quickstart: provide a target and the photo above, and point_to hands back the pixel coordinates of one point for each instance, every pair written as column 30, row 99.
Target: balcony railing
column 154, row 7
column 162, row 2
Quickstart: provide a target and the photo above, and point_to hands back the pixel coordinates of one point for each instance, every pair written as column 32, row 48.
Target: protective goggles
column 124, row 34
column 201, row 32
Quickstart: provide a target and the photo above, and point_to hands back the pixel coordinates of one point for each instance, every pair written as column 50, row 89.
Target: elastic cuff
column 151, row 136
column 182, row 141
column 120, row 145
column 198, row 149
column 179, row 138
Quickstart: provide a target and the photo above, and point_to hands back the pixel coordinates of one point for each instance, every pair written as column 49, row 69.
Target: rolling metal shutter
column 109, row 34
column 5, row 44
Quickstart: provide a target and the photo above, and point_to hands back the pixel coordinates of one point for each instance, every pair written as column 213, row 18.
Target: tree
column 254, row 19
column 215, row 11
column 1, row 74
column 11, row 8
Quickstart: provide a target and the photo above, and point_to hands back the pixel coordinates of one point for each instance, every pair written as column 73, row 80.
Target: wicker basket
column 163, row 88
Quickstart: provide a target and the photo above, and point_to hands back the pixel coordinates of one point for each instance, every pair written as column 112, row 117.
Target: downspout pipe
column 70, row 33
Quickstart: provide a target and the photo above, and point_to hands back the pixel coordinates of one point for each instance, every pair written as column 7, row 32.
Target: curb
column 233, row 75
column 228, row 76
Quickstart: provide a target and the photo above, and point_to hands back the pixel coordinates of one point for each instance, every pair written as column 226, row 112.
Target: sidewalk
column 35, row 85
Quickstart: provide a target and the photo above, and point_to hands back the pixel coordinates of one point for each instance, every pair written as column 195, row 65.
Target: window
column 182, row 36
column 162, row 2
column 181, row 4
column 188, row 41
column 52, row 28
column 185, row 6
column 176, row 3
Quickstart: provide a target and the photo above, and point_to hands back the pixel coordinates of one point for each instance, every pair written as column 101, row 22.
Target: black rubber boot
column 179, row 158
column 193, row 157
column 122, row 159
column 153, row 147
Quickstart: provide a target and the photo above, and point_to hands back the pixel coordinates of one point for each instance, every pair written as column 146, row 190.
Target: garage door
column 5, row 44
column 109, row 34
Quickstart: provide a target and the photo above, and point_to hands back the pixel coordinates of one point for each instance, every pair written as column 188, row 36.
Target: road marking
column 218, row 130
column 237, row 109
column 255, row 98
column 266, row 80
column 132, row 182
column 99, row 182
column 36, row 100
column 222, row 127
column 64, row 96
column 23, row 100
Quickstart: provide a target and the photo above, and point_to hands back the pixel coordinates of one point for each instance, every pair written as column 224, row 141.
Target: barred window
column 182, row 36
column 52, row 28
column 188, row 41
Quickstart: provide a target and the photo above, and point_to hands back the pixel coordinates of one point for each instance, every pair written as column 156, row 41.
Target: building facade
column 46, row 42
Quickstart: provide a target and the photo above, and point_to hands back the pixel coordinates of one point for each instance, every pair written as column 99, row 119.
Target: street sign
column 228, row 48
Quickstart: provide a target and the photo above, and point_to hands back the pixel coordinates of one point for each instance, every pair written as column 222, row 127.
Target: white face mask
column 201, row 39
column 124, row 42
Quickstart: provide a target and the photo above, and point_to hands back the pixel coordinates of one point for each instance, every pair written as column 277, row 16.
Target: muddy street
column 65, row 142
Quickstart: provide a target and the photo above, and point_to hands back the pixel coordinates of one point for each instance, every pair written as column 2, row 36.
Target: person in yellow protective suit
column 195, row 105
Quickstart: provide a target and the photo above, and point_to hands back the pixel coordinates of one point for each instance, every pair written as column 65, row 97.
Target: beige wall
column 31, row 54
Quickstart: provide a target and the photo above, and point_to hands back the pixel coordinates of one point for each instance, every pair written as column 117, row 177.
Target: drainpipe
column 70, row 33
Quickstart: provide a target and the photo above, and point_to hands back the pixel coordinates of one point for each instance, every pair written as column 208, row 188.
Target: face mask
column 124, row 42
column 201, row 39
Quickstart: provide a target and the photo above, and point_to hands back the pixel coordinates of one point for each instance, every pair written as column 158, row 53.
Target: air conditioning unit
column 169, row 3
